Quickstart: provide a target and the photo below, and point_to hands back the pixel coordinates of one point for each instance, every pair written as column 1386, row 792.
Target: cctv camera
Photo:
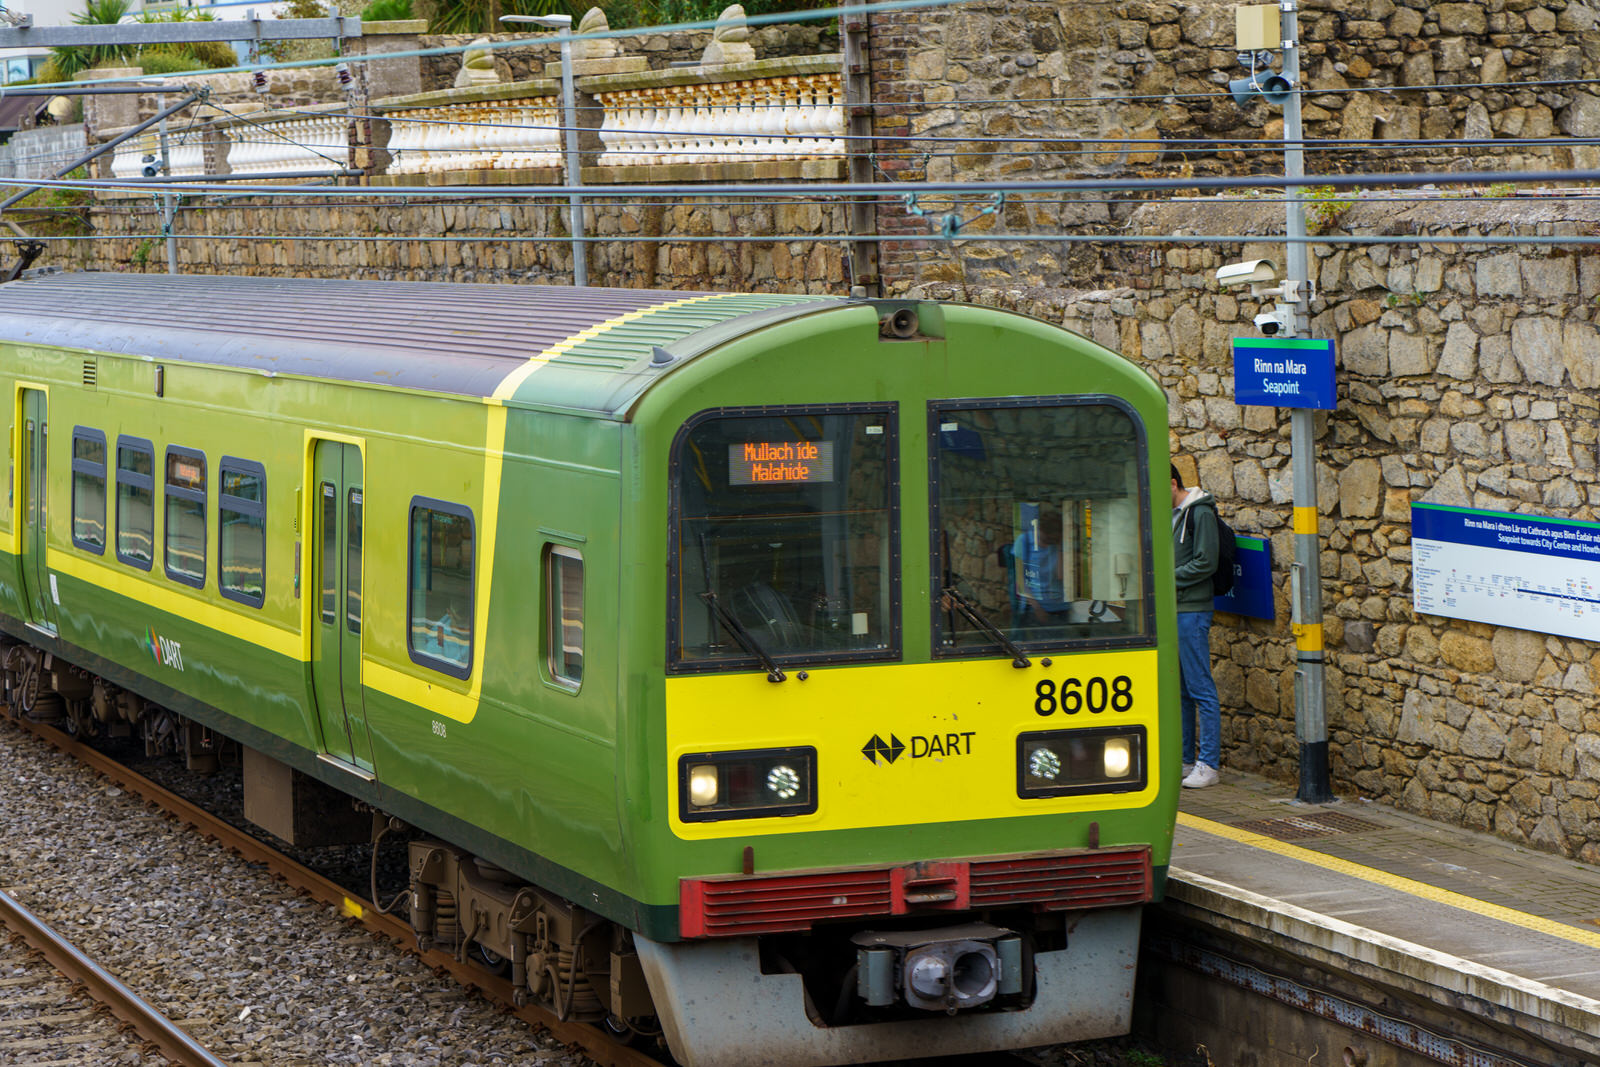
column 1250, row 272
column 1271, row 323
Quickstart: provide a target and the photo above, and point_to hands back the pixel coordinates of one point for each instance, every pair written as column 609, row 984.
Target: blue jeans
column 1199, row 691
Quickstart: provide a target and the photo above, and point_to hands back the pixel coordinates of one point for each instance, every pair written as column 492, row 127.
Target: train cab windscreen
column 784, row 537
column 1039, row 507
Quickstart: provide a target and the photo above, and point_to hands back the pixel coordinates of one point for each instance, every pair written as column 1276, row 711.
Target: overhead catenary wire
column 1485, row 240
column 788, row 188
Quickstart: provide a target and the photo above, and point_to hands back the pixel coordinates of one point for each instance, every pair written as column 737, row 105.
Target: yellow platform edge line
column 1538, row 924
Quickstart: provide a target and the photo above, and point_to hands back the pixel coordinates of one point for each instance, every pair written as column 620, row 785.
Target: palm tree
column 68, row 61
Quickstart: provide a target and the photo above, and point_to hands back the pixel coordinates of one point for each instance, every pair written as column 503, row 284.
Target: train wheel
column 490, row 961
column 643, row 1033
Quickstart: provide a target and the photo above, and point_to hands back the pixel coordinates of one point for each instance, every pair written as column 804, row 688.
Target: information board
column 1291, row 372
column 1526, row 571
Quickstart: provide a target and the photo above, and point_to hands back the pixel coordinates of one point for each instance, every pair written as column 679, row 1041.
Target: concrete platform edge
column 1556, row 1015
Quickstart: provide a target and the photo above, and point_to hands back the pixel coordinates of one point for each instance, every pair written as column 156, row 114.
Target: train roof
column 476, row 340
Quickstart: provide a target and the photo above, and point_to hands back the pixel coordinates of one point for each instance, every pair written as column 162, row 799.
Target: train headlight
column 747, row 785
column 703, row 785
column 783, row 782
column 1118, row 757
column 1053, row 763
column 1044, row 764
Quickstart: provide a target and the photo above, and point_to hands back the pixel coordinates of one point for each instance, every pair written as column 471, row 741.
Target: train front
column 914, row 770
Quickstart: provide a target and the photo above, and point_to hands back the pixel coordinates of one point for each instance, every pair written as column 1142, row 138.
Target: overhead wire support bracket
column 952, row 222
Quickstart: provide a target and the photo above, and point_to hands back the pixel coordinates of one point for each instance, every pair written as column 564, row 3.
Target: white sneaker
column 1188, row 769
column 1202, row 776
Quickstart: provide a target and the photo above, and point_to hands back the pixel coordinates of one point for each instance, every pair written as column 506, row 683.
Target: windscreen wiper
column 741, row 635
column 950, row 598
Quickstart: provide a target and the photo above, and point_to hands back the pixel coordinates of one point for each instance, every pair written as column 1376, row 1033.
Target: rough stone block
column 1499, row 275
column 1359, row 488
column 1366, row 351
column 1536, row 346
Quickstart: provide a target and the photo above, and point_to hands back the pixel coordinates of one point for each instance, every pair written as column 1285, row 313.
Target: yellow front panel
column 956, row 723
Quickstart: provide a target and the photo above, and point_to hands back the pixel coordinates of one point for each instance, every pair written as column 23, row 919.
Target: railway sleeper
column 581, row 966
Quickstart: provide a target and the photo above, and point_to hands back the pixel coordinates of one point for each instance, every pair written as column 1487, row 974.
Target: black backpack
column 1227, row 553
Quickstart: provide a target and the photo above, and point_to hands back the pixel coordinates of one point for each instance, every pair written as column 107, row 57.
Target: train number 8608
column 1093, row 695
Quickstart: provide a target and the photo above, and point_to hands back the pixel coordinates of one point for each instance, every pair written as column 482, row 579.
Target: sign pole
column 1310, row 714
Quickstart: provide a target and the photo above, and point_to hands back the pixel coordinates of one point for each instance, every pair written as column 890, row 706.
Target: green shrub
column 636, row 13
column 387, row 11
column 167, row 62
column 1323, row 207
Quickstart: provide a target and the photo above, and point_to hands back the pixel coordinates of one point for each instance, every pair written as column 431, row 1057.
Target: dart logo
column 880, row 752
column 167, row 653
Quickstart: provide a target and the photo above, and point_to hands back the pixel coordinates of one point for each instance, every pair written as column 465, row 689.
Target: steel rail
column 105, row 988
column 595, row 1043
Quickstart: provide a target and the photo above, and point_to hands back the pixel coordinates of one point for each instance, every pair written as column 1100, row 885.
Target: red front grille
column 778, row 903
column 1098, row 879
column 774, row 903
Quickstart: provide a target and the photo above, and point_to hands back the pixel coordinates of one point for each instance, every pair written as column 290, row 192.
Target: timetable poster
column 1510, row 570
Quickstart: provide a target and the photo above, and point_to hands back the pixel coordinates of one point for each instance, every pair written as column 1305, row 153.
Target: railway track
column 593, row 1043
column 59, row 1006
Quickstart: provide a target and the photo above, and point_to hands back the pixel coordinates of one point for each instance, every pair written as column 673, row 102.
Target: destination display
column 1292, row 372
column 1526, row 571
column 780, row 462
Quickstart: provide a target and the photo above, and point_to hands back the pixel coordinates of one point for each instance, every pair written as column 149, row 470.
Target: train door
column 33, row 475
column 337, row 613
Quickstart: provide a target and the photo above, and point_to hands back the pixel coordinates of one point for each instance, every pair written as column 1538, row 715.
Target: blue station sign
column 1252, row 579
column 1292, row 372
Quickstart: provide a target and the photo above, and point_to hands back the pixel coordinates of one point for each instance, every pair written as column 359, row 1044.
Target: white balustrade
column 753, row 120
column 494, row 135
column 185, row 156
column 787, row 118
column 315, row 144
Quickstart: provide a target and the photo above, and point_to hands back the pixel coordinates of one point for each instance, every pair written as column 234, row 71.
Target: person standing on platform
column 1195, row 556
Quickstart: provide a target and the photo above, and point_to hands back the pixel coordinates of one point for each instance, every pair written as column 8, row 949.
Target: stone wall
column 42, row 151
column 1114, row 87
column 510, row 240
column 1466, row 377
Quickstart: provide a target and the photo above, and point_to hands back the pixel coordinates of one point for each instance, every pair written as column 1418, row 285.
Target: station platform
column 1466, row 920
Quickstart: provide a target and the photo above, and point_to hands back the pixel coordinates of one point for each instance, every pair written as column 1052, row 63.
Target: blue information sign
column 1252, row 579
column 1533, row 572
column 1295, row 372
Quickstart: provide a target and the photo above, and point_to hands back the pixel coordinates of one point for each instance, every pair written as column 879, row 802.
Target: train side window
column 184, row 532
column 89, row 489
column 242, row 531
column 439, row 601
column 136, row 494
column 564, row 617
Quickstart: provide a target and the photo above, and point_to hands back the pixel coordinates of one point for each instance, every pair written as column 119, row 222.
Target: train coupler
column 950, row 969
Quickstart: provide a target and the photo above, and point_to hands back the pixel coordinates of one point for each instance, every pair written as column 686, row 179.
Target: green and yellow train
column 791, row 676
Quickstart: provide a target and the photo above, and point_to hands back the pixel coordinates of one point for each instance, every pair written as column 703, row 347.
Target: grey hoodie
column 1194, row 549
